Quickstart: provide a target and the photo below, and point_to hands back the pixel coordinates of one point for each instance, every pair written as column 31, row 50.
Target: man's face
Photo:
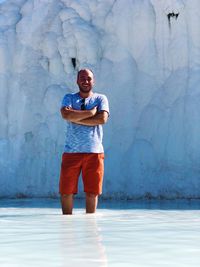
column 85, row 81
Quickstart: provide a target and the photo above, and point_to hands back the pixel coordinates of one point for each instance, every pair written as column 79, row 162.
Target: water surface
column 34, row 233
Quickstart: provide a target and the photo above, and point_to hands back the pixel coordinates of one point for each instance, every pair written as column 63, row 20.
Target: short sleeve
column 104, row 105
column 67, row 101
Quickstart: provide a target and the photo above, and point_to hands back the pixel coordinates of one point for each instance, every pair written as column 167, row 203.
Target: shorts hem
column 68, row 193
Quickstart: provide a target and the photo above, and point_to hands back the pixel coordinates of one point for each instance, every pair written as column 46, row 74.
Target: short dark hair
column 84, row 70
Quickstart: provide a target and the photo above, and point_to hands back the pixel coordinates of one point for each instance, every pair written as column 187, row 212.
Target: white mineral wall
column 146, row 58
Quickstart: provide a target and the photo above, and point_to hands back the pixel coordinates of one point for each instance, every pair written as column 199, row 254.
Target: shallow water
column 34, row 233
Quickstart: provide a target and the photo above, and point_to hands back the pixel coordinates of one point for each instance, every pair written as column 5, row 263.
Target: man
column 85, row 112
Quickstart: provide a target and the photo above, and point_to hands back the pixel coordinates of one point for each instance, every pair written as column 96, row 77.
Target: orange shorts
column 92, row 167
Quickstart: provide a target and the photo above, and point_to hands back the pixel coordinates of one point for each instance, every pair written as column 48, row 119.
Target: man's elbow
column 103, row 119
column 65, row 114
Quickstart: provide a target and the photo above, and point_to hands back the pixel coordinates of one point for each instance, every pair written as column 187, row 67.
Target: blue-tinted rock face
column 146, row 59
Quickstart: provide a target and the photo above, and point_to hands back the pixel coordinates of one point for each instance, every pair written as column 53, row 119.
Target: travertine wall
column 146, row 59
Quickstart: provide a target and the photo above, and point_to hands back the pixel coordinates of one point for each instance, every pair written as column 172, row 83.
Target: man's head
column 85, row 80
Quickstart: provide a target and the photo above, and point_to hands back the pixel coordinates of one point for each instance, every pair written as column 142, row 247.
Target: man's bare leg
column 67, row 203
column 91, row 202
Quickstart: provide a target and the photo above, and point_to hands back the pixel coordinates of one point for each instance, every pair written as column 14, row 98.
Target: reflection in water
column 35, row 237
column 81, row 241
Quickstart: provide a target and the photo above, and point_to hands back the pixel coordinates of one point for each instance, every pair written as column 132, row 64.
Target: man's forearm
column 100, row 118
column 73, row 115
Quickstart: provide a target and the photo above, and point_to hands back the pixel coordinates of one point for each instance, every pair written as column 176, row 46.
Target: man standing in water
column 85, row 113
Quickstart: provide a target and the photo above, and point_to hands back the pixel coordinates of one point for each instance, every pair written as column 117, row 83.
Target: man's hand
column 94, row 111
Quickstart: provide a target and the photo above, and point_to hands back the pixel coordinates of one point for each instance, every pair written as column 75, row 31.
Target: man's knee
column 91, row 195
column 66, row 195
